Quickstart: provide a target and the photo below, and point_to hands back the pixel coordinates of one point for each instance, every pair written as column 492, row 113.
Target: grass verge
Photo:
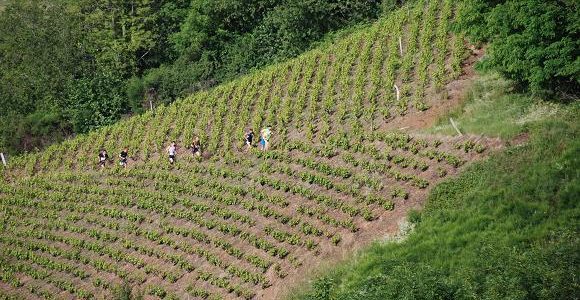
column 492, row 109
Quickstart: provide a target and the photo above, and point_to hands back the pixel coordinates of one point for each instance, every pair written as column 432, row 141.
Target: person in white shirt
column 172, row 150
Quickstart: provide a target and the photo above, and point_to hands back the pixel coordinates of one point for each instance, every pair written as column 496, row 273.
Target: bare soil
column 452, row 96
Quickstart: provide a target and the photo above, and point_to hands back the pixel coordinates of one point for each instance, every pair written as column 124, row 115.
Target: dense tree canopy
column 535, row 42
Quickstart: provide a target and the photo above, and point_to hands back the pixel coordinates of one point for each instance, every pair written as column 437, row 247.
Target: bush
column 533, row 42
column 181, row 79
column 414, row 216
column 135, row 91
column 34, row 131
column 95, row 102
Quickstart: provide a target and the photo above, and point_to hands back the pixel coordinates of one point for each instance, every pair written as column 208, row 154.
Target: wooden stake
column 150, row 95
column 401, row 46
column 455, row 126
column 398, row 93
column 3, row 158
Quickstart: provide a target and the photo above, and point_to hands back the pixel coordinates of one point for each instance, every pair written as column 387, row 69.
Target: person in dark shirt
column 249, row 137
column 123, row 157
column 103, row 157
column 196, row 146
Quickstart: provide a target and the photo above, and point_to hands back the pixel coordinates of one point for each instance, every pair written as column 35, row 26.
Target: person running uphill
column 196, row 147
column 172, row 150
column 123, row 156
column 265, row 135
column 249, row 137
column 103, row 157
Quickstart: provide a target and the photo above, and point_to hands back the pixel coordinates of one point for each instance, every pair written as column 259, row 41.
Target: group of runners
column 104, row 157
column 195, row 147
column 263, row 142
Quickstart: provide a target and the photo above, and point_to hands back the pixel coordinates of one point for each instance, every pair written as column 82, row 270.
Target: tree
column 536, row 43
column 39, row 54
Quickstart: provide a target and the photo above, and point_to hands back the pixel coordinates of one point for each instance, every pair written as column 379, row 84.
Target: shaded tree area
column 534, row 42
column 64, row 63
column 70, row 66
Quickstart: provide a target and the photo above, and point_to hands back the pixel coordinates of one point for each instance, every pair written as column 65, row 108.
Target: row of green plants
column 249, row 205
column 177, row 260
column 304, row 227
column 348, row 190
column 222, row 283
column 51, row 279
column 151, row 235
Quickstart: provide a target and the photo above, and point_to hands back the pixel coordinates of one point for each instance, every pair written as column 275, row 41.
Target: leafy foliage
column 533, row 42
column 92, row 61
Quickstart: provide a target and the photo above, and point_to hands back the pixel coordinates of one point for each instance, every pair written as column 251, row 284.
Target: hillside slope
column 345, row 87
column 238, row 224
column 505, row 228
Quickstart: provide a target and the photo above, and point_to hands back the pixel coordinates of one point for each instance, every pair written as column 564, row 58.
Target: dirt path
column 440, row 104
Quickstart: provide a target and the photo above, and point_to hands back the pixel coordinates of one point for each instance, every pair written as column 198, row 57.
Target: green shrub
column 533, row 42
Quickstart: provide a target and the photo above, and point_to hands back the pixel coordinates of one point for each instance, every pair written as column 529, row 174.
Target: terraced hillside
column 241, row 224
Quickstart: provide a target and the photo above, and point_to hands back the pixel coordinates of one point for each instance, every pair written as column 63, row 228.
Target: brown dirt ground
column 442, row 103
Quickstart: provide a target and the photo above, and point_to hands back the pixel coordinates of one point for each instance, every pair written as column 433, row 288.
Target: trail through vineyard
column 347, row 163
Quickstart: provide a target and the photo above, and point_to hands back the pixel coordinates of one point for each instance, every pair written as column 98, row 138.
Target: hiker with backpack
column 248, row 138
column 103, row 157
column 172, row 150
column 123, row 156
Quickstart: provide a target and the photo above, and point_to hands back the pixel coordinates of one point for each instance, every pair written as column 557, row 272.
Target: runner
column 249, row 137
column 123, row 157
column 103, row 157
column 265, row 135
column 261, row 143
column 196, row 147
column 172, row 150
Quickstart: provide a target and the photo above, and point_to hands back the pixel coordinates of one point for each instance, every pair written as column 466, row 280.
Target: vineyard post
column 401, row 46
column 3, row 158
column 398, row 93
column 150, row 95
column 455, row 126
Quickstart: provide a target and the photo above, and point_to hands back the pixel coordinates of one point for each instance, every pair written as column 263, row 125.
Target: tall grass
column 490, row 108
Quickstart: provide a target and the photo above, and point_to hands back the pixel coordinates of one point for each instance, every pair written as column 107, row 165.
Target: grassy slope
column 505, row 229
column 492, row 110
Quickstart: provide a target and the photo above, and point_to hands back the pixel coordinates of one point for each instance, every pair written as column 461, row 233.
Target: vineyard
column 238, row 224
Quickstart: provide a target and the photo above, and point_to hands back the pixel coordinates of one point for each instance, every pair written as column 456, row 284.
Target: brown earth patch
column 452, row 95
